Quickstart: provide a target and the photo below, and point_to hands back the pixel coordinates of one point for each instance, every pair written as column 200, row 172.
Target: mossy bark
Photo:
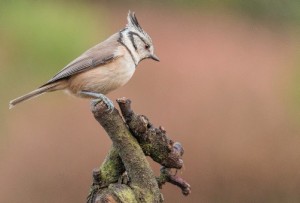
column 142, row 180
column 125, row 175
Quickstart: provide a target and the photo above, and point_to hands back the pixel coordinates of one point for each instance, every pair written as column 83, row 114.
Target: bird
column 102, row 68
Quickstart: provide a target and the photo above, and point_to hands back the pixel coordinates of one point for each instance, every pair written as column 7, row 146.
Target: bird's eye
column 147, row 46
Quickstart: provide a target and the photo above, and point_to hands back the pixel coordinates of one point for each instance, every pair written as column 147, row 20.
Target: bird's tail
column 32, row 94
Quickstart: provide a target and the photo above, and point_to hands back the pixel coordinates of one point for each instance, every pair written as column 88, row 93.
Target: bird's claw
column 107, row 102
column 98, row 98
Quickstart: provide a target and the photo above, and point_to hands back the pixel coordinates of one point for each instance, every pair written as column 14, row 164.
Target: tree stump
column 125, row 175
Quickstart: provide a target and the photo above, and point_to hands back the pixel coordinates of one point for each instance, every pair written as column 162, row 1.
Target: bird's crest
column 133, row 22
column 133, row 25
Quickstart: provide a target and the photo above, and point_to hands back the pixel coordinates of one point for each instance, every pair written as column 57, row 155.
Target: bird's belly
column 102, row 79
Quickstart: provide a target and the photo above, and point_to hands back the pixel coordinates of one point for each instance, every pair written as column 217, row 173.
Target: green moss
column 112, row 167
column 147, row 148
column 123, row 192
column 141, row 195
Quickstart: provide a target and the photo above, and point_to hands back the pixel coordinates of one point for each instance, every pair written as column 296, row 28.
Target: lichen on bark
column 125, row 175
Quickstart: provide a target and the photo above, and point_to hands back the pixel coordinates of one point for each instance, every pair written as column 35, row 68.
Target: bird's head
column 137, row 40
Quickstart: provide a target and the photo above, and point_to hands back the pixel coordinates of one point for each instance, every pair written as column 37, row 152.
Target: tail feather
column 31, row 95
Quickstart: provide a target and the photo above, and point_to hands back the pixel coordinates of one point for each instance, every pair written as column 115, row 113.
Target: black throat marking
column 122, row 43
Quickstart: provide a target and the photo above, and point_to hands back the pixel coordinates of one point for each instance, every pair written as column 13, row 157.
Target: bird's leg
column 97, row 98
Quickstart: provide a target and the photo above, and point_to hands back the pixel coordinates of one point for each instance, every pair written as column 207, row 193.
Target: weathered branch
column 131, row 142
column 154, row 141
column 143, row 181
column 167, row 176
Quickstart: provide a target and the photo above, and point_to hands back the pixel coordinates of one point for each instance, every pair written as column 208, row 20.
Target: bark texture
column 125, row 175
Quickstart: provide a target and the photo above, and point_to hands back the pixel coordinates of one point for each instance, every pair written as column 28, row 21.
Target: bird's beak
column 154, row 57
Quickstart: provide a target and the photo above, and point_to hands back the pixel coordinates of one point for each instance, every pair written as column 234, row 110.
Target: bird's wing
column 99, row 55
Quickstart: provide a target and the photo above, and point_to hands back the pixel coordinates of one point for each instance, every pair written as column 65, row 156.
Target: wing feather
column 100, row 54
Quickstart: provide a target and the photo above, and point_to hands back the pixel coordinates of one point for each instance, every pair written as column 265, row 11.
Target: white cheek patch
column 140, row 44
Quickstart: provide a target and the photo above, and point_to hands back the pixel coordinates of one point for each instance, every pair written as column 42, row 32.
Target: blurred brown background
column 227, row 88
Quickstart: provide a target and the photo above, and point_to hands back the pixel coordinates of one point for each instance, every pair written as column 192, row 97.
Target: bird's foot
column 98, row 97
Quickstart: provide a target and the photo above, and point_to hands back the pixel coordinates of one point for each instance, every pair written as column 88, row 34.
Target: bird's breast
column 105, row 78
